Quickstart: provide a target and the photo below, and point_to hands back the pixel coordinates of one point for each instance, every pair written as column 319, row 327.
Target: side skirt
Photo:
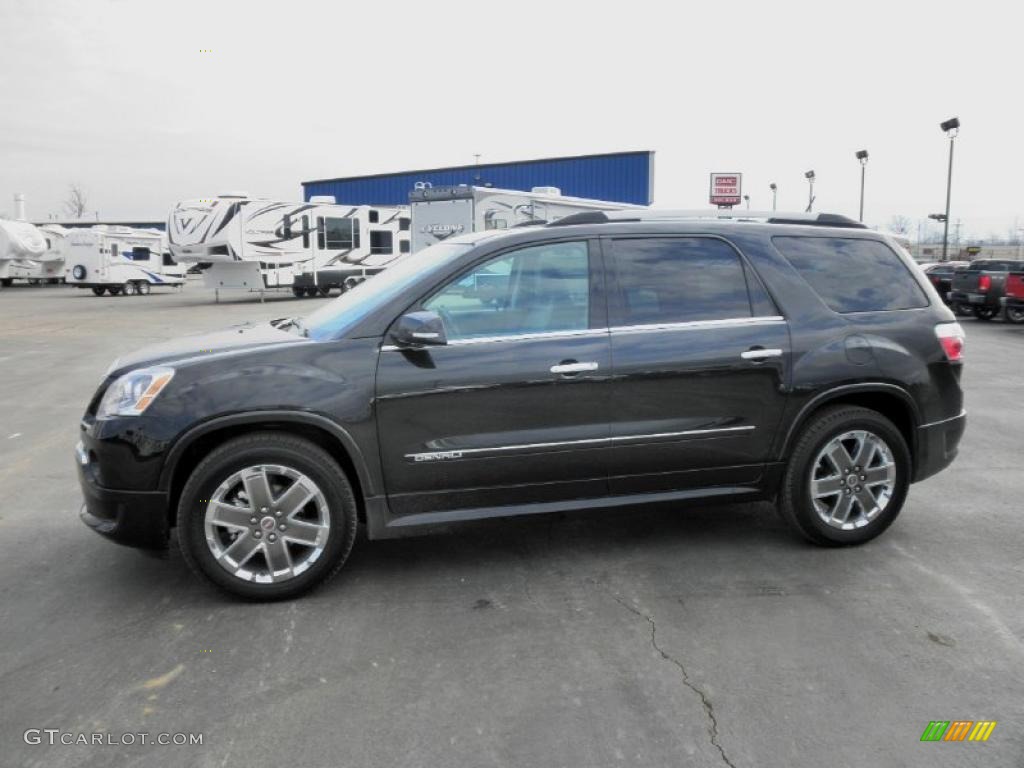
column 380, row 524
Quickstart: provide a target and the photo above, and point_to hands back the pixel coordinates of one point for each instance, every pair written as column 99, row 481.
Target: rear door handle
column 573, row 367
column 761, row 354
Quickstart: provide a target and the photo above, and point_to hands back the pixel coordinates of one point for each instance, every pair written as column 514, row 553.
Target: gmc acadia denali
column 602, row 360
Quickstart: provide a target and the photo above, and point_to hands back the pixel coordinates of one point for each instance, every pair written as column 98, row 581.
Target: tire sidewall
column 799, row 480
column 221, row 464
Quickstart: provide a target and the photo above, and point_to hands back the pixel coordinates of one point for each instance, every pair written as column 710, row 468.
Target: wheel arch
column 890, row 400
column 191, row 447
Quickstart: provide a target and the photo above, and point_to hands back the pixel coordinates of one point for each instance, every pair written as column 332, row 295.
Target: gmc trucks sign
column 726, row 188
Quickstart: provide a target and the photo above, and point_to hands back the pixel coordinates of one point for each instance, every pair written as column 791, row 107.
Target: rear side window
column 853, row 275
column 677, row 280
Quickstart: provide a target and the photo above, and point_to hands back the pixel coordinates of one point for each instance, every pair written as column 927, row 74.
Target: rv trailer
column 120, row 260
column 440, row 212
column 21, row 244
column 313, row 247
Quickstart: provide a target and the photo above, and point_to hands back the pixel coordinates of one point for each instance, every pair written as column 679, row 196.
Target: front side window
column 540, row 289
column 677, row 280
column 852, row 274
column 381, row 241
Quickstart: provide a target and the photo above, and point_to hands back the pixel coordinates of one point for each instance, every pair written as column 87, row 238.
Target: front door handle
column 761, row 354
column 571, row 366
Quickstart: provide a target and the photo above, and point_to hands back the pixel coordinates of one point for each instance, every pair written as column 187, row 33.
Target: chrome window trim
column 458, row 453
column 596, row 332
column 699, row 324
column 581, row 333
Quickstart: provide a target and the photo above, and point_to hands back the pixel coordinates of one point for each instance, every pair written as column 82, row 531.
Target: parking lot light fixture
column 862, row 155
column 809, row 175
column 951, row 128
column 775, row 193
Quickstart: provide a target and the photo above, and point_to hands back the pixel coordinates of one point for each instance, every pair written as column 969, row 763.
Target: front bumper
column 133, row 518
column 937, row 445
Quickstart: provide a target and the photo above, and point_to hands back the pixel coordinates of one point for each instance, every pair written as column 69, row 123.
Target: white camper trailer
column 440, row 212
column 121, row 260
column 49, row 266
column 312, row 247
column 21, row 244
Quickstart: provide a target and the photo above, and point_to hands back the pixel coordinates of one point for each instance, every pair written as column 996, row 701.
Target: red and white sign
column 726, row 188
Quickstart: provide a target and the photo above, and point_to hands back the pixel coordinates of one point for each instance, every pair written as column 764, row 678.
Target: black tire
column 1015, row 316
column 324, row 290
column 259, row 449
column 7, row 282
column 963, row 310
column 984, row 313
column 98, row 290
column 298, row 292
column 115, row 290
column 143, row 288
column 128, row 289
column 795, row 503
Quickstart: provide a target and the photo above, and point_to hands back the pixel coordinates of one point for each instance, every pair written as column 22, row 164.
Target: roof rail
column 763, row 217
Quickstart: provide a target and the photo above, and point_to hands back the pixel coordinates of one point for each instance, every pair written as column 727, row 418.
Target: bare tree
column 75, row 203
column 899, row 225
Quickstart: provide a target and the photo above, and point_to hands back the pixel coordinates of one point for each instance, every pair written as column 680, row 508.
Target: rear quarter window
column 853, row 274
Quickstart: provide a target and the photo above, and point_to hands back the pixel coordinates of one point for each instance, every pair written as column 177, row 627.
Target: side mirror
column 419, row 328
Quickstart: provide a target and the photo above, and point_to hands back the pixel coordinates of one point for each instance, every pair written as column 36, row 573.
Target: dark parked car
column 941, row 276
column 978, row 288
column 631, row 357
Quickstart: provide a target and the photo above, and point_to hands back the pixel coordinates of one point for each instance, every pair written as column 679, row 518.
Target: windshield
column 343, row 313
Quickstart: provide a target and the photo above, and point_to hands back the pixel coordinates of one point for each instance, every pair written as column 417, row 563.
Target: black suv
column 603, row 360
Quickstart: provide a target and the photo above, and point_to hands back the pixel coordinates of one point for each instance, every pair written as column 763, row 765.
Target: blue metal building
column 623, row 177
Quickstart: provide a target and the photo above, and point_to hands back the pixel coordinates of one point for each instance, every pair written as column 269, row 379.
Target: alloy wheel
column 267, row 523
column 852, row 479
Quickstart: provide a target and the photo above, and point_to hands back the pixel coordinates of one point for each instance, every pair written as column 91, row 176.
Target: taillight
column 1015, row 287
column 984, row 282
column 951, row 337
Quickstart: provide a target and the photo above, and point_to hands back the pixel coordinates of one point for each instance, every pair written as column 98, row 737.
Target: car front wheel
column 847, row 477
column 267, row 516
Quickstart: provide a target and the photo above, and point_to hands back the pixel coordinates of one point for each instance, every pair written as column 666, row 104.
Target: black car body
column 612, row 380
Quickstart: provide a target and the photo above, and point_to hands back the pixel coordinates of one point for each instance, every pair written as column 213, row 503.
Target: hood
column 234, row 340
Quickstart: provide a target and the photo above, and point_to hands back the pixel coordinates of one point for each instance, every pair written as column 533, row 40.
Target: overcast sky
column 119, row 97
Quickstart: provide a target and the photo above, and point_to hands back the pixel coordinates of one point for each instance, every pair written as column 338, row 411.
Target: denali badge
column 441, row 231
column 439, row 456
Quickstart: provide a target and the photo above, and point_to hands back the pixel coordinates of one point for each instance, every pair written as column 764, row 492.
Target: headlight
column 132, row 394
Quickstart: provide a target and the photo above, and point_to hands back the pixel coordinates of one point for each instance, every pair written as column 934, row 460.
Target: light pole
column 951, row 128
column 775, row 192
column 809, row 175
column 746, row 199
column 862, row 155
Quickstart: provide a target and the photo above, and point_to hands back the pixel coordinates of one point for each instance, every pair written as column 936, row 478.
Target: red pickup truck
column 1013, row 301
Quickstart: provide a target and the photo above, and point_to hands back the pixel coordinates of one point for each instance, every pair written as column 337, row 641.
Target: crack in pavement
column 709, row 709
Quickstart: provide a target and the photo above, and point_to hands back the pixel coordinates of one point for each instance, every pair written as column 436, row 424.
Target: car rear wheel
column 143, row 288
column 847, row 477
column 298, row 292
column 128, row 289
column 984, row 313
column 267, row 516
column 98, row 290
column 1014, row 315
column 964, row 310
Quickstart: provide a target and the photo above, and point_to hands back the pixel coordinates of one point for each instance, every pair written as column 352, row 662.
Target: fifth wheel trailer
column 21, row 244
column 440, row 212
column 248, row 243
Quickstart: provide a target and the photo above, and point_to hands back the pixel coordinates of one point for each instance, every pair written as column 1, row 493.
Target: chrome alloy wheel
column 852, row 480
column 267, row 523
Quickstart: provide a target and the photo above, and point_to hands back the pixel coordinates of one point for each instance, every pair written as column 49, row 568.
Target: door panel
column 514, row 408
column 699, row 383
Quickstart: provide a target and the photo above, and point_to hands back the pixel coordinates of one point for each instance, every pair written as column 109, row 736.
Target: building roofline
column 473, row 166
